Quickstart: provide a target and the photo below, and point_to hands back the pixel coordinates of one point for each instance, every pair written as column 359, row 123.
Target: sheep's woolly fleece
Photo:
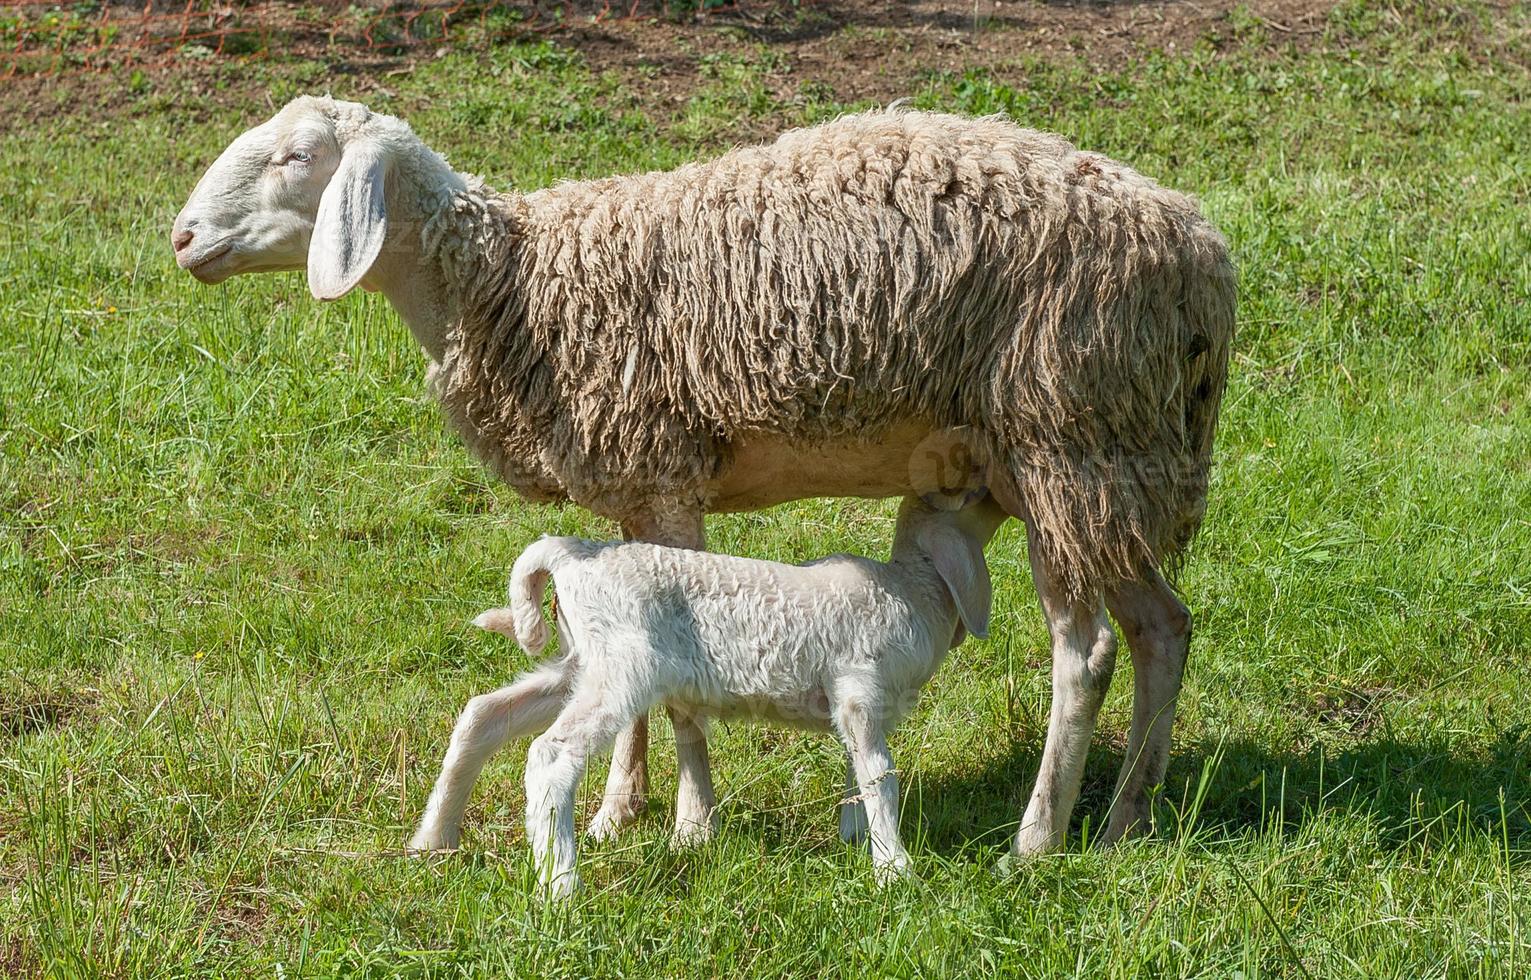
column 619, row 335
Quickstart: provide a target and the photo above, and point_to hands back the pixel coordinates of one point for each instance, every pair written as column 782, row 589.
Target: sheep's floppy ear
column 961, row 566
column 351, row 224
column 497, row 620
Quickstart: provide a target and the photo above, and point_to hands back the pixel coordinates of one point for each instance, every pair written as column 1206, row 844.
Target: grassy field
column 238, row 555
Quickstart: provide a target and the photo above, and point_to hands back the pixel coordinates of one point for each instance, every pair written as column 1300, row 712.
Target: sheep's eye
column 299, row 156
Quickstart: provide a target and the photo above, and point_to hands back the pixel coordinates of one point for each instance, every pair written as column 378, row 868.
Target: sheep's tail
column 528, row 581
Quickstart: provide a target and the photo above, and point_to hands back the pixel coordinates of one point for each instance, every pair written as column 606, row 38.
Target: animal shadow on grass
column 1412, row 791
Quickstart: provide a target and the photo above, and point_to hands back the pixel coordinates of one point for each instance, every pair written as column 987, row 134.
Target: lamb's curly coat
column 843, row 643
column 620, row 336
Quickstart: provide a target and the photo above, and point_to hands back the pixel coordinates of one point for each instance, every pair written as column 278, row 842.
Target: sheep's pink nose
column 180, row 240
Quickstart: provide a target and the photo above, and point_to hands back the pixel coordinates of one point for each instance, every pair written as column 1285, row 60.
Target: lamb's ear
column 352, row 222
column 961, row 566
column 497, row 620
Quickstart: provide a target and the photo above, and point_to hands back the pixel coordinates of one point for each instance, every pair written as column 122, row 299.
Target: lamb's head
column 953, row 541
column 312, row 187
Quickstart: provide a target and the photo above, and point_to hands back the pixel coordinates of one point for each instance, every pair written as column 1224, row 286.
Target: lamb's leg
column 695, row 799
column 627, row 785
column 877, row 782
column 1084, row 654
column 554, row 766
column 853, row 813
column 1157, row 627
column 524, row 708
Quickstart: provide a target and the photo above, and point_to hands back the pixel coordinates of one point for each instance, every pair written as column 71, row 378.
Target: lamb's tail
column 522, row 619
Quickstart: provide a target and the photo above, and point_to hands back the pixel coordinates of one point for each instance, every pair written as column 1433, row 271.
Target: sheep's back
column 882, row 268
column 850, row 275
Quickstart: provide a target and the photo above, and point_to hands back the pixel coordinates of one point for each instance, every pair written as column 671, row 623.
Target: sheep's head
column 306, row 188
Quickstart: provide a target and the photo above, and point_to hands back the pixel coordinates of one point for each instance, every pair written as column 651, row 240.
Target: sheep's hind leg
column 695, row 801
column 486, row 723
column 554, row 766
column 1084, row 655
column 877, row 781
column 1157, row 627
column 627, row 785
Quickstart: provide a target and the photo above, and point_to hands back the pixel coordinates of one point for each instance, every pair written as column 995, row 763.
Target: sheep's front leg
column 627, row 785
column 695, row 800
column 877, row 780
column 1157, row 627
column 1084, row 656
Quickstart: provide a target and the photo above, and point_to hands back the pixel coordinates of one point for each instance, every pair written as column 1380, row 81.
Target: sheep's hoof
column 1125, row 824
column 1035, row 841
column 1022, row 854
column 612, row 818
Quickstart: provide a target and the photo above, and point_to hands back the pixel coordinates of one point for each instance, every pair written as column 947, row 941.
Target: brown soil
column 31, row 712
column 225, row 54
column 864, row 50
column 851, row 49
column 14, row 961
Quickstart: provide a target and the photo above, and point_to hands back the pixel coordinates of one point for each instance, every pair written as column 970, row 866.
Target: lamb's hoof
column 560, row 889
column 898, row 869
column 691, row 833
column 612, row 818
column 426, row 843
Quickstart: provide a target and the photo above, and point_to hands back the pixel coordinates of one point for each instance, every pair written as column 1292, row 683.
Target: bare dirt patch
column 123, row 58
column 1355, row 710
column 31, row 712
column 873, row 51
column 14, row 961
column 853, row 50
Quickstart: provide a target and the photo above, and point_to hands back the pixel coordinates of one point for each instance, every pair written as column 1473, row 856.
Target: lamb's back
column 743, row 632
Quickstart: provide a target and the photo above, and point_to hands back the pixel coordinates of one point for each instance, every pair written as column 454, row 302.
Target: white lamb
column 843, row 642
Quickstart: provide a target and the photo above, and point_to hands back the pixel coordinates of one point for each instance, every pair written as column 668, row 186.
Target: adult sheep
column 795, row 320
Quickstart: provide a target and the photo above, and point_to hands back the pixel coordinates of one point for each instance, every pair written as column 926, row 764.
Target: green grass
column 238, row 554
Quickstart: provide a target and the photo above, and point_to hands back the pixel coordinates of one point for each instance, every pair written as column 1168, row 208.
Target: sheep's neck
column 436, row 216
column 464, row 253
column 418, row 292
